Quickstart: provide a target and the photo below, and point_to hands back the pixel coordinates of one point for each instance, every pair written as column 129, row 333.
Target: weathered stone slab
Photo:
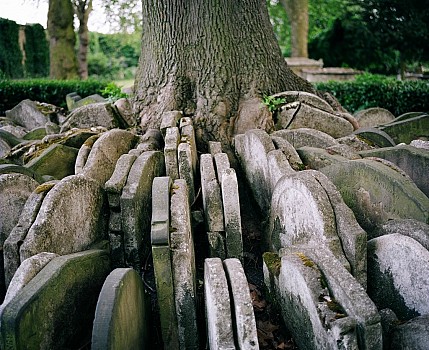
column 306, row 137
column 19, row 232
column 136, row 205
column 307, row 306
column 397, row 275
column 67, row 285
column 375, row 137
column 218, row 306
column 354, row 142
column 57, row 161
column 376, row 193
column 18, row 169
column 252, row 149
column 84, row 152
column 289, row 151
column 211, row 195
column 170, row 120
column 122, row 314
column 27, row 115
column 421, row 144
column 4, row 148
column 408, row 115
column 414, row 161
column 172, row 139
column 221, row 163
column 231, row 213
column 69, row 220
column 301, row 212
column 278, row 166
column 105, row 153
column 152, row 140
column 183, row 263
column 413, row 334
column 71, row 98
column 124, row 108
column 162, row 264
column 216, row 242
column 35, row 134
column 305, row 97
column 186, row 172
column 17, row 131
column 373, row 116
column 95, row 98
column 245, row 324
column 318, row 158
column 188, row 135
column 407, row 130
column 297, row 115
column 215, row 147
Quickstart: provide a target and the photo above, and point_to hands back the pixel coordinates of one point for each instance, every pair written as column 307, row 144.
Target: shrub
column 10, row 53
column 36, row 51
column 379, row 91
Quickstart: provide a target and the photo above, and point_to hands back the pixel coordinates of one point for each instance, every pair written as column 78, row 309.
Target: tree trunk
column 212, row 59
column 82, row 9
column 61, row 40
column 297, row 11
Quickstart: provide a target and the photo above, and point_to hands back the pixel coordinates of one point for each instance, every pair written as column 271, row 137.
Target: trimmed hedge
column 36, row 51
column 10, row 53
column 54, row 92
column 379, row 91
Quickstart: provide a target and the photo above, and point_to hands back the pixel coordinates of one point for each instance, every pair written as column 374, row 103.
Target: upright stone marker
column 186, row 171
column 172, row 139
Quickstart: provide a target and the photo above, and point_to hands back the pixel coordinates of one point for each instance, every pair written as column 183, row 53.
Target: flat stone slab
column 397, row 275
column 289, row 151
column 169, row 120
column 413, row 334
column 304, row 97
column 172, row 139
column 376, row 192
column 18, row 169
column 409, row 129
column 186, row 167
column 122, row 314
column 69, row 220
column 306, row 137
column 60, row 291
column 375, row 137
column 27, row 115
column 318, row 158
column 373, row 116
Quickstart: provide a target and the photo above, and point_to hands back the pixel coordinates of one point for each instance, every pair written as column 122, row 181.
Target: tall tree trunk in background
column 297, row 11
column 212, row 59
column 82, row 9
column 62, row 40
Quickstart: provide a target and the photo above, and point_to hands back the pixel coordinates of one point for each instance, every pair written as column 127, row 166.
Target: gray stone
column 306, row 137
column 124, row 108
column 413, row 334
column 69, row 220
column 15, row 130
column 172, row 139
column 221, row 163
column 183, row 263
column 215, row 147
column 84, row 151
column 374, row 137
column 231, row 213
column 35, row 134
column 306, row 303
column 170, row 120
column 57, row 161
column 60, row 291
column 162, row 264
column 289, row 151
column 71, row 99
column 407, row 227
column 318, row 158
column 407, row 130
column 18, row 169
column 216, row 242
column 19, row 232
column 344, row 151
column 10, row 138
column 188, row 135
column 414, row 161
column 278, row 166
column 27, row 115
column 408, row 115
column 305, row 97
column 152, row 140
column 52, row 128
column 397, row 275
column 95, row 98
column 106, row 152
column 376, row 193
column 218, row 306
column 245, row 324
column 420, row 144
column 354, row 142
column 186, row 172
column 122, row 314
column 4, row 148
column 373, row 116
column 136, row 205
column 297, row 115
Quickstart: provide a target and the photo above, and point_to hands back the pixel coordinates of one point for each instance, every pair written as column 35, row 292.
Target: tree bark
column 212, row 59
column 82, row 9
column 61, row 40
column 297, row 12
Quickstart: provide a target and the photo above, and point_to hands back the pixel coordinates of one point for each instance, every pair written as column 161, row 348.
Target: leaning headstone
column 373, row 116
column 172, row 139
column 186, row 172
column 221, row 163
column 304, row 97
column 124, row 108
column 354, row 142
column 84, row 151
column 170, row 120
column 18, row 169
column 136, row 205
column 306, row 137
column 4, row 148
column 57, row 161
column 374, row 137
column 27, row 115
column 151, row 140
column 35, row 134
column 160, row 237
column 187, row 134
column 71, row 99
column 218, row 306
column 70, row 219
column 407, row 130
column 122, row 314
column 215, row 147
column 19, row 232
column 397, row 275
column 278, row 166
column 289, row 151
column 95, row 98
column 413, row 334
column 183, row 265
column 318, row 158
column 245, row 324
column 59, row 293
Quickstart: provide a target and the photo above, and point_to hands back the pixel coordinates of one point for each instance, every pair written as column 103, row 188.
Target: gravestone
column 186, row 172
column 172, row 139
column 411, row 335
column 374, row 137
column 409, row 129
column 373, row 116
column 306, row 137
column 27, row 115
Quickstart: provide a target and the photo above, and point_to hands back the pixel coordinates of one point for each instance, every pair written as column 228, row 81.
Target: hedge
column 54, row 92
column 10, row 53
column 368, row 90
column 36, row 51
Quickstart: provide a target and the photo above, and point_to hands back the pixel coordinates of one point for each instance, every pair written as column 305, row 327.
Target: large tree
column 62, row 40
column 212, row 59
column 82, row 9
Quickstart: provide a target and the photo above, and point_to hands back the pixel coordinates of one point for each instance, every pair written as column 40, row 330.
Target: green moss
column 44, row 187
column 273, row 262
column 306, row 260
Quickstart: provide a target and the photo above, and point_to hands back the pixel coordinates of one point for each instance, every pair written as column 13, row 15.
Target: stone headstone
column 186, row 172
column 35, row 134
column 373, row 116
column 397, row 275
column 122, row 314
column 151, row 140
column 172, row 139
column 4, row 148
column 413, row 334
column 187, row 134
column 95, row 98
column 354, row 142
column 278, row 166
column 59, row 293
column 306, row 137
column 27, row 115
column 305, row 97
column 124, row 108
column 170, row 120
column 71, row 99
column 8, row 137
column 84, row 151
column 407, row 130
column 18, row 169
column 374, row 137
column 289, row 151
column 318, row 158
column 215, row 147
column 221, row 163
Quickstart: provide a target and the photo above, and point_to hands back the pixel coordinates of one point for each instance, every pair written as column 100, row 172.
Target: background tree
column 82, row 9
column 297, row 11
column 62, row 40
column 213, row 59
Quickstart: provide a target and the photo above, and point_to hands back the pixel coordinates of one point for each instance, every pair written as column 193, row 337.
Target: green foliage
column 379, row 91
column 36, row 51
column 112, row 92
column 43, row 90
column 273, row 103
column 10, row 53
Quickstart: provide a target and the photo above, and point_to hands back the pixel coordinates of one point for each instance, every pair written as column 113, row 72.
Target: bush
column 36, row 51
column 43, row 90
column 379, row 91
column 10, row 53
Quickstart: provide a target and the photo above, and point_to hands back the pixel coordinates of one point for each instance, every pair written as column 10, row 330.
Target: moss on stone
column 273, row 262
column 44, row 187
